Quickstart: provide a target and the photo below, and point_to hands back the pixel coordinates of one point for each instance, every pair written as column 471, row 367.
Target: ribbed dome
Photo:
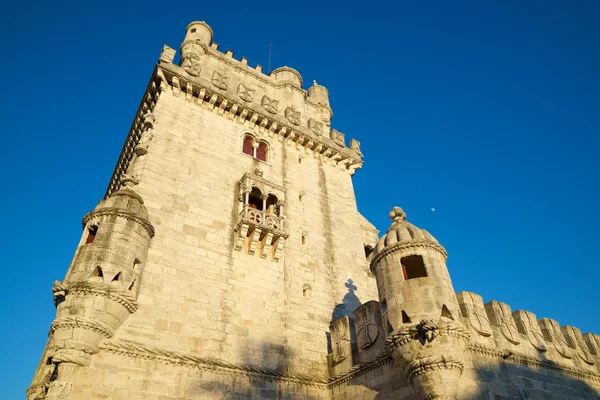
column 124, row 199
column 402, row 232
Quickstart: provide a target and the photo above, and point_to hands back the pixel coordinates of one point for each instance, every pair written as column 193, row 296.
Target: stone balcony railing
column 262, row 228
column 262, row 219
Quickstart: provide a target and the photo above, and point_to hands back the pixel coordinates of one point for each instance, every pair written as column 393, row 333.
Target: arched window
column 272, row 205
column 261, row 152
column 255, row 199
column 247, row 148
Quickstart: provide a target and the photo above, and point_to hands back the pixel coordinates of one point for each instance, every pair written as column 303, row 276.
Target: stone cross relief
column 527, row 323
column 245, row 93
column 220, row 80
column 551, row 330
column 292, row 115
column 340, row 337
column 269, row 104
column 315, row 126
column 471, row 305
column 367, row 326
column 502, row 317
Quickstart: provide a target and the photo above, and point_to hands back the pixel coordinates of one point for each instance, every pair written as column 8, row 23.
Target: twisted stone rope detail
column 137, row 350
column 358, row 370
column 82, row 322
column 126, row 299
column 525, row 359
column 424, row 364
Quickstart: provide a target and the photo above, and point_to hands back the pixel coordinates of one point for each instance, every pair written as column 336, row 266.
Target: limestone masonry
column 228, row 260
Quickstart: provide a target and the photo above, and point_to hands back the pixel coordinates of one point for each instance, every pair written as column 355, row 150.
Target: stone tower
column 228, row 241
column 228, row 260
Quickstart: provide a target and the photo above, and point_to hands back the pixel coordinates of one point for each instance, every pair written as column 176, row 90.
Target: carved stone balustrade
column 261, row 231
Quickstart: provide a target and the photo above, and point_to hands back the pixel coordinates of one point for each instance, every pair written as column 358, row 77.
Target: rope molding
column 136, row 350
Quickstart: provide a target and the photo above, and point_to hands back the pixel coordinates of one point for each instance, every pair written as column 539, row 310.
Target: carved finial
column 397, row 214
column 315, row 82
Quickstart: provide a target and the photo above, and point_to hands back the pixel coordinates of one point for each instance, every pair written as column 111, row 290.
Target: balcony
column 260, row 231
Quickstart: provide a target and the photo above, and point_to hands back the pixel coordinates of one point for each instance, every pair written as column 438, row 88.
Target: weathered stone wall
column 200, row 297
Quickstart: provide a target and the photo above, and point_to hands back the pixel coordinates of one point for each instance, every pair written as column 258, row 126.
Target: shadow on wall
column 505, row 381
column 350, row 302
column 268, row 379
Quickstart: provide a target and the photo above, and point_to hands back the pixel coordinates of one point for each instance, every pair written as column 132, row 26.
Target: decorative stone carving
column 337, row 137
column 367, row 320
column 292, row 115
column 220, row 80
column 355, row 146
column 340, row 339
column 191, row 65
column 167, row 54
column 471, row 306
column 551, row 331
column 269, row 104
column 575, row 340
column 501, row 316
column 527, row 324
column 129, row 180
column 245, row 93
column 59, row 390
column 593, row 342
column 315, row 126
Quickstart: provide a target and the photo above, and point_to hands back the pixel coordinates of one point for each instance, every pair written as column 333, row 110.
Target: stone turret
column 99, row 291
column 198, row 36
column 419, row 308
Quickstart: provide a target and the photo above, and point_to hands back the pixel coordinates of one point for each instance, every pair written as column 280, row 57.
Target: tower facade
column 228, row 260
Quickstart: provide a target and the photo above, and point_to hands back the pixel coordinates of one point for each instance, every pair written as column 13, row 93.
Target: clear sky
column 486, row 111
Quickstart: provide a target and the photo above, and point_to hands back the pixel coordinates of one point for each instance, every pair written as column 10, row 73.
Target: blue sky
column 486, row 111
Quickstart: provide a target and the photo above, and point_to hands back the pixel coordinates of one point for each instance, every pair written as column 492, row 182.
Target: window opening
column 413, row 267
column 303, row 238
column 383, row 306
column 306, row 290
column 136, row 265
column 247, row 147
column 255, row 199
column 92, row 231
column 193, row 30
column 368, row 251
column 272, row 208
column 405, row 318
column 261, row 152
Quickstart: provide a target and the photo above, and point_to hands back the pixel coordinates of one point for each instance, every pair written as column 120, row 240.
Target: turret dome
column 402, row 234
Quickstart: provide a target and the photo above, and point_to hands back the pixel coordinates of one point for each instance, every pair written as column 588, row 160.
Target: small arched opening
column 272, row 207
column 247, row 147
column 262, row 151
column 255, row 199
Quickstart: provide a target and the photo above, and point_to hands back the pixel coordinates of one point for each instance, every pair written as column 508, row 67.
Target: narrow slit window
column 413, row 267
column 261, row 152
column 92, row 231
column 383, row 306
column 247, row 147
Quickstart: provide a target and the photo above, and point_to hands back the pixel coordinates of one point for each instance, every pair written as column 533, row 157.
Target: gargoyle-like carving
column 269, row 104
column 142, row 147
column 367, row 320
column 59, row 390
column 574, row 337
column 191, row 65
column 551, row 331
column 340, row 339
column 167, row 54
column 245, row 93
column 129, row 180
column 315, row 126
column 527, row 324
column 500, row 315
column 337, row 137
column 59, row 290
column 355, row 146
column 149, row 120
column 471, row 306
column 292, row 115
column 220, row 80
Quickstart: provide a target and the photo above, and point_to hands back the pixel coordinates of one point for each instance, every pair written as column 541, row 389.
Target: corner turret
column 419, row 308
column 198, row 36
column 99, row 292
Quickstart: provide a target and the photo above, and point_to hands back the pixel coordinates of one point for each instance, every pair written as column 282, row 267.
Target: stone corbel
column 254, row 240
column 278, row 248
column 242, row 232
column 266, row 242
column 176, row 86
